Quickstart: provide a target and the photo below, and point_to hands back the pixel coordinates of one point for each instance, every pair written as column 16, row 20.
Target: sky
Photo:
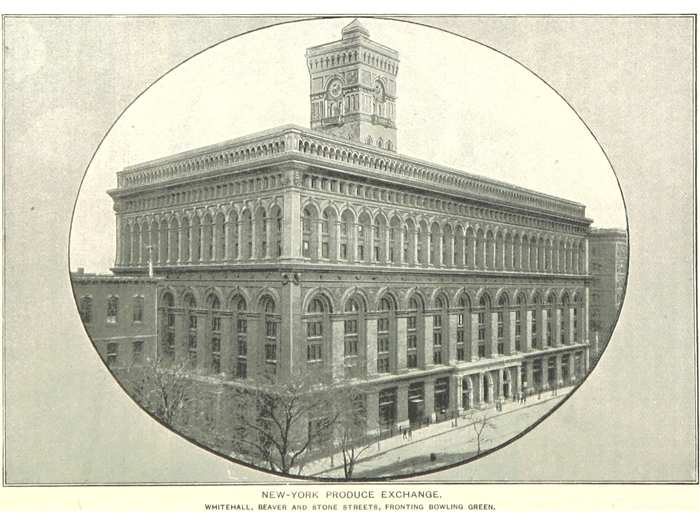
column 460, row 104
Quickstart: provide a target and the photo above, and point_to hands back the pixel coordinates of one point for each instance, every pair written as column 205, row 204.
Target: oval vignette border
column 379, row 479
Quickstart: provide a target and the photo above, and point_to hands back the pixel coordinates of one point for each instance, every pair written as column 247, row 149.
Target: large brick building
column 608, row 270
column 324, row 250
column 119, row 313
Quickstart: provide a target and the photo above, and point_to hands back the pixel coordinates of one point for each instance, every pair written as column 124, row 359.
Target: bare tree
column 278, row 424
column 479, row 424
column 351, row 425
column 163, row 387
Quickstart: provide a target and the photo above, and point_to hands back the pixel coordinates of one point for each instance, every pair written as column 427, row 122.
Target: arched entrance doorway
column 467, row 394
column 507, row 385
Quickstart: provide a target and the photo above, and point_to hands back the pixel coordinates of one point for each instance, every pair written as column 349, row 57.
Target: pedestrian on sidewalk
column 410, row 434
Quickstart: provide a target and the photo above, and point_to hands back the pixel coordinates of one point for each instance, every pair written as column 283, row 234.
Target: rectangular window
column 271, row 351
column 481, row 318
column 350, row 347
column 112, row 349
column 216, row 355
column 343, row 251
column 533, row 329
column 112, row 309
column 137, row 352
column 216, row 324
column 313, row 352
column 377, row 253
column 383, row 345
column 305, row 249
column 271, row 328
column 562, row 328
column 437, row 339
column 324, row 250
column 499, row 326
column 86, row 309
column 411, row 343
column 517, row 330
column 351, row 338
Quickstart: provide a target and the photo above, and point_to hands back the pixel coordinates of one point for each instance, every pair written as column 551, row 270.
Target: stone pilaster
column 429, row 396
column 401, row 350
column 452, row 320
column 402, row 405
column 425, row 358
column 371, row 347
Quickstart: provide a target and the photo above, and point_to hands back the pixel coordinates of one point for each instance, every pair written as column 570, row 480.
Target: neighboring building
column 608, row 267
column 119, row 314
column 323, row 251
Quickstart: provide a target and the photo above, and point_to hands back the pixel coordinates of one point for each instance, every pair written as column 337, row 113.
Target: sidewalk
column 385, row 452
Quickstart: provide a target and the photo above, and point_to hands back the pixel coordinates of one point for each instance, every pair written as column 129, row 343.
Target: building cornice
column 296, row 142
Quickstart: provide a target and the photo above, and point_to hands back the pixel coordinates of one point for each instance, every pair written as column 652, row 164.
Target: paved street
column 399, row 456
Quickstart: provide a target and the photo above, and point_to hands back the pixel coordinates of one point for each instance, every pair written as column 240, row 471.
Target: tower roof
column 354, row 28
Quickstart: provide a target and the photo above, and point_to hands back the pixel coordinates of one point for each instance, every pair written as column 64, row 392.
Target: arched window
column 501, row 315
column 385, row 326
column 185, row 236
column 379, row 239
column 534, row 321
column 271, row 325
column 169, row 325
column 325, row 234
column 551, row 300
column 137, row 309
column 214, row 315
column 196, row 239
column 519, row 314
column 414, row 331
column 306, row 229
column 439, row 328
column 484, row 329
column 191, row 316
column 363, row 229
column 315, row 320
column 352, row 340
column 85, row 308
column 345, row 236
column 207, row 237
column 112, row 309
column 563, row 319
column 261, row 234
column 277, row 232
column 434, row 238
column 406, row 245
column 577, row 311
column 240, row 325
column 463, row 323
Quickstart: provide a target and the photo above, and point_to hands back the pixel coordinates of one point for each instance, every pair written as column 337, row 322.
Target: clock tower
column 353, row 88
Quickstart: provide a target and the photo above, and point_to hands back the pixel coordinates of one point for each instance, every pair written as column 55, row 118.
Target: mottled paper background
column 66, row 80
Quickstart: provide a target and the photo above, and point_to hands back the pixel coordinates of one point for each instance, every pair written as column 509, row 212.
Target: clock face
column 334, row 88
